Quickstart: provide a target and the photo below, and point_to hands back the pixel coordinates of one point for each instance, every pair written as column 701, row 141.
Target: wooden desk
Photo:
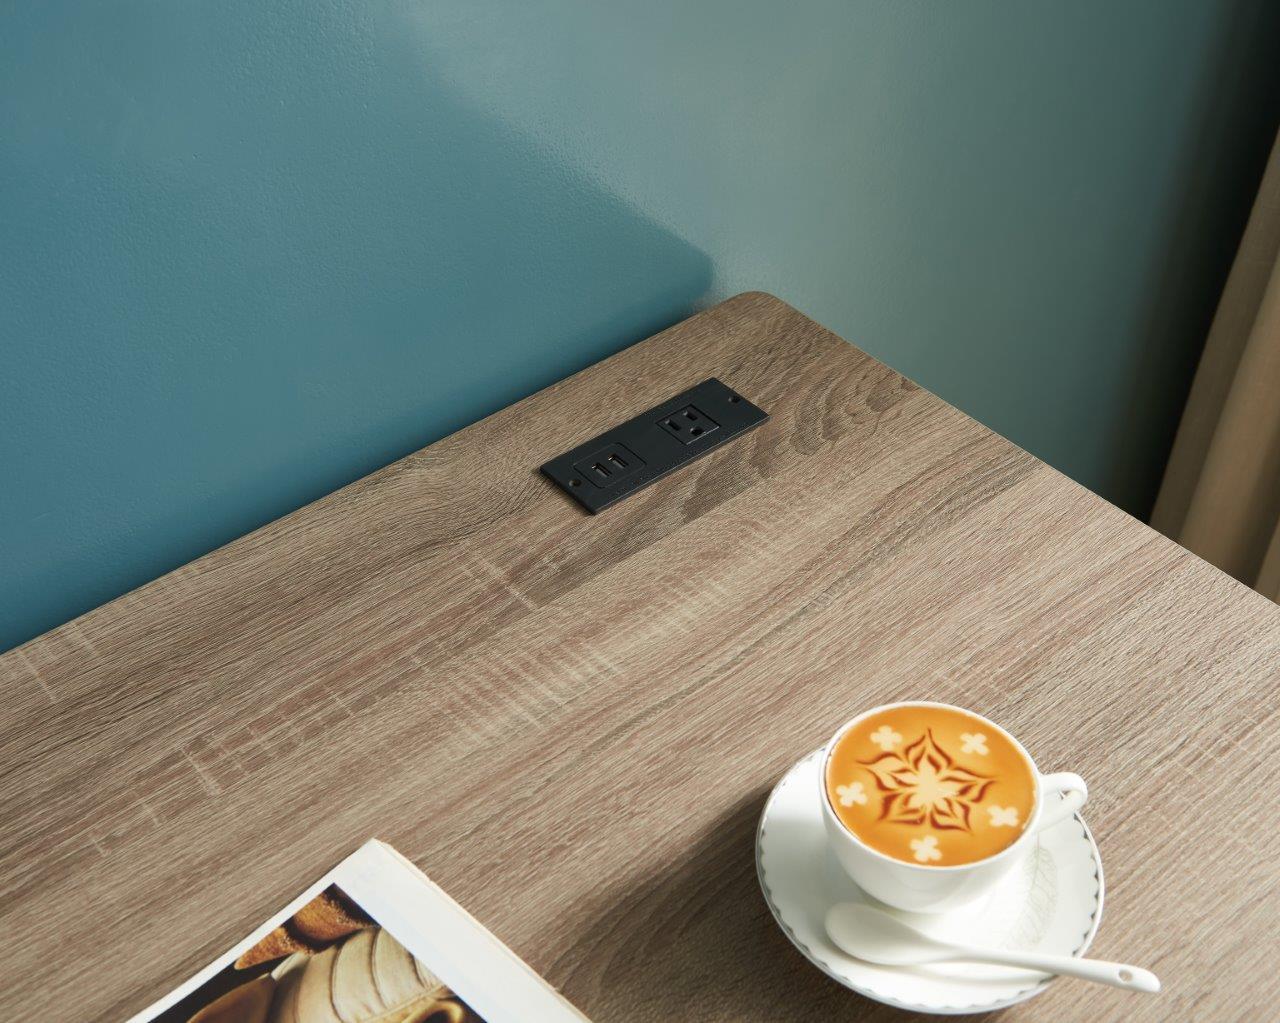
column 572, row 722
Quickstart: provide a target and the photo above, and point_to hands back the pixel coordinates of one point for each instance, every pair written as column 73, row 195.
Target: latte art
column 930, row 785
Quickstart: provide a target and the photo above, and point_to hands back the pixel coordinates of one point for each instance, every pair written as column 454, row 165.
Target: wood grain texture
column 571, row 722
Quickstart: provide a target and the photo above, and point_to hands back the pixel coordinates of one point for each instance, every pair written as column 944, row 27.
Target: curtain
column 1221, row 492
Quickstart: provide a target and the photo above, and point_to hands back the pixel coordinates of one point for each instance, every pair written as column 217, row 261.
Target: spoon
column 874, row 936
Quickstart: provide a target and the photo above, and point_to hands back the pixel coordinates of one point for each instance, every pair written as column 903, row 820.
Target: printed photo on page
column 373, row 942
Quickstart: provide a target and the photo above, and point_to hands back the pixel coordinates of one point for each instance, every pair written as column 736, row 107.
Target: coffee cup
column 927, row 806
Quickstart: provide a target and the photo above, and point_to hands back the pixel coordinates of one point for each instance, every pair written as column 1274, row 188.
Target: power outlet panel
column 634, row 454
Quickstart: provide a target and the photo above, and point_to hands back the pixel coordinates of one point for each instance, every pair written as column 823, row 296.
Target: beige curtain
column 1221, row 491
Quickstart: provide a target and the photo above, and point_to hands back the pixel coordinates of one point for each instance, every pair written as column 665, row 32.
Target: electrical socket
column 610, row 466
column 688, row 425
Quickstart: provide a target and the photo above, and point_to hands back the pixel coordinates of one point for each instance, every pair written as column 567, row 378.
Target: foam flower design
column 886, row 738
column 851, row 793
column 926, row 849
column 1003, row 816
column 924, row 785
column 974, row 742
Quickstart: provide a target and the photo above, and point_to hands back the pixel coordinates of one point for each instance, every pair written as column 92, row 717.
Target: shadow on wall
column 252, row 252
column 1235, row 125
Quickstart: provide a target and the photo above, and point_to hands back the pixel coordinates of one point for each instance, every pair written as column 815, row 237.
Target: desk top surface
column 572, row 722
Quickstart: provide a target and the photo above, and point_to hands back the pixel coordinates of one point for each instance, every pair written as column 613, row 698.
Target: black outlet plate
column 629, row 457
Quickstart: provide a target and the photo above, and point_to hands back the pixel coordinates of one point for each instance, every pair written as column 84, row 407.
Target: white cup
column 927, row 889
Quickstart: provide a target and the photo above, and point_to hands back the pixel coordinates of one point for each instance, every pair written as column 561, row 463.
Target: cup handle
column 1072, row 788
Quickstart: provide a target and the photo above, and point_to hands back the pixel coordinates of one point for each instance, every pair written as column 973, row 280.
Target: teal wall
column 252, row 249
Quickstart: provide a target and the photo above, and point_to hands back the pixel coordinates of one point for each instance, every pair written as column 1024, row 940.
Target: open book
column 373, row 941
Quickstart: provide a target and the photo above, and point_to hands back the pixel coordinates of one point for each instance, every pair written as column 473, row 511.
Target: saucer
column 1051, row 901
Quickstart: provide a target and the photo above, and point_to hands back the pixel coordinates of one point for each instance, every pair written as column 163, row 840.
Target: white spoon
column 875, row 936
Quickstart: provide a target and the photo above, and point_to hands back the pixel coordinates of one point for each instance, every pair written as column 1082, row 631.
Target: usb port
column 607, row 467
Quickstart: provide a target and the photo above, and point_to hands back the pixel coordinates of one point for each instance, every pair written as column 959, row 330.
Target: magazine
column 373, row 941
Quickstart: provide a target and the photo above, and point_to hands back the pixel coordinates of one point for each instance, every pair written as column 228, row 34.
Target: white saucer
column 1050, row 902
